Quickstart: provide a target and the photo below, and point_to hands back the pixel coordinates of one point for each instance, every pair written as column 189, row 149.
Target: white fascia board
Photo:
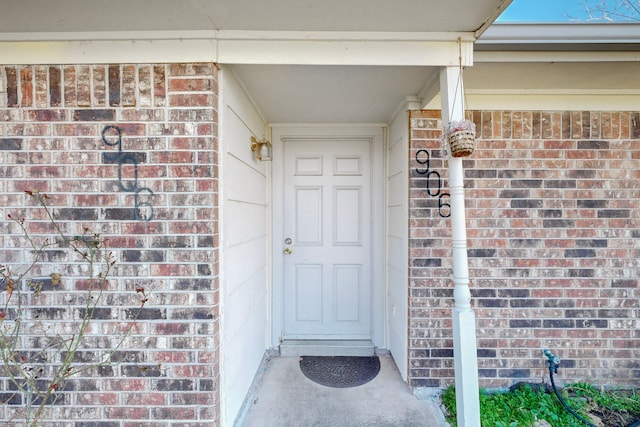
column 345, row 36
column 566, row 33
column 560, row 100
column 345, row 52
column 236, row 35
column 107, row 52
column 556, row 56
column 555, row 92
column 241, row 47
column 92, row 36
column 557, row 102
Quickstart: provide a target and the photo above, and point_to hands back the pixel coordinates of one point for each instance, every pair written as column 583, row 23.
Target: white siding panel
column 244, row 266
column 244, row 184
column 245, row 220
column 247, row 296
column 397, row 218
column 396, row 198
column 244, row 261
column 397, row 160
column 397, row 241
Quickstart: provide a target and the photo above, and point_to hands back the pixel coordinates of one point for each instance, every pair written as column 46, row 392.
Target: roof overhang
column 357, row 32
column 550, row 35
column 300, row 60
column 381, row 16
column 570, row 66
column 567, row 42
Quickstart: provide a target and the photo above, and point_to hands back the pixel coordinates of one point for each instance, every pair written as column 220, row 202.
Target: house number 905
column 434, row 183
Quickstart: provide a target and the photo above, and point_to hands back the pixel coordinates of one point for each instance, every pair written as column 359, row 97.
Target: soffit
column 43, row 16
column 331, row 94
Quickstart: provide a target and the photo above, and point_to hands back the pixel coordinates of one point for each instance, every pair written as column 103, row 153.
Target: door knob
column 288, row 251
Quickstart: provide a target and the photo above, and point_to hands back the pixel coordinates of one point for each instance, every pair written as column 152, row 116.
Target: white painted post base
column 466, row 368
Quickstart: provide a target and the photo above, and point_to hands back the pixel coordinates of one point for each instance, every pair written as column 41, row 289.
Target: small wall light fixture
column 261, row 149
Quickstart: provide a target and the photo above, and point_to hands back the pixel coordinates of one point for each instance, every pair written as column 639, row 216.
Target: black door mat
column 340, row 371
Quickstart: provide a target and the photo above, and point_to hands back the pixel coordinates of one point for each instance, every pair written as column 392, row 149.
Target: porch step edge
column 292, row 348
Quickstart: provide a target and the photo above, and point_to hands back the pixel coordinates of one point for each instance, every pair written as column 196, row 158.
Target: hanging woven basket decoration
column 459, row 138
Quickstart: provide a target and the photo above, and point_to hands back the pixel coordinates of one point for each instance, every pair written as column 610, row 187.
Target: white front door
column 328, row 226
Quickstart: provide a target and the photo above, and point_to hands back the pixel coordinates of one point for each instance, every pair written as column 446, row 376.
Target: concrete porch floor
column 284, row 397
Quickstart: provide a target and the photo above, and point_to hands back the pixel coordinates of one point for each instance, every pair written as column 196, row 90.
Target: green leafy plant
column 40, row 345
column 529, row 403
column 615, row 407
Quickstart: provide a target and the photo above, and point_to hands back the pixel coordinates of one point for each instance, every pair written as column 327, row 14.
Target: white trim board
column 238, row 47
column 519, row 100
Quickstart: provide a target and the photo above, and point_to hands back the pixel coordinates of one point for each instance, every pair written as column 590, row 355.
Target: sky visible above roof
column 572, row 11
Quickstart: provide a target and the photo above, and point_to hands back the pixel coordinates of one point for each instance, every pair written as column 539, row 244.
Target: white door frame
column 377, row 133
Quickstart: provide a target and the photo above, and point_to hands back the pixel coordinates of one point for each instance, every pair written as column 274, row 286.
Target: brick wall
column 553, row 219
column 152, row 192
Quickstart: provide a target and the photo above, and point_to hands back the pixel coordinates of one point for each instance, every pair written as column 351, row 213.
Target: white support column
column 464, row 322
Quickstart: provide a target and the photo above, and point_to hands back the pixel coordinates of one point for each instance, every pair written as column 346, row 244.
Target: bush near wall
column 553, row 220
column 152, row 192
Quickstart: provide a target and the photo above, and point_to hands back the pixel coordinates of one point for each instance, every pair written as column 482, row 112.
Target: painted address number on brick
column 142, row 209
column 434, row 183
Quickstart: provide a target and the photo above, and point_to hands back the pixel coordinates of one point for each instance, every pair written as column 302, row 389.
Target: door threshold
column 291, row 348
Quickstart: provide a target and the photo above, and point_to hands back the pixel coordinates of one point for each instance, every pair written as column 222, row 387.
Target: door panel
column 308, row 215
column 308, row 283
column 327, row 210
column 347, row 216
column 348, row 288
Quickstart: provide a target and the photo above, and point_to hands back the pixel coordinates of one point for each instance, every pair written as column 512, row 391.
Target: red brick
column 159, row 86
column 172, row 270
column 41, row 90
column 12, row 86
column 197, row 69
column 191, row 100
column 145, row 86
column 174, row 157
column 190, row 85
column 114, row 84
column 147, row 399
column 26, row 87
column 55, row 87
column 131, row 413
column 84, row 86
column 70, row 92
column 97, row 399
column 128, row 97
column 99, row 86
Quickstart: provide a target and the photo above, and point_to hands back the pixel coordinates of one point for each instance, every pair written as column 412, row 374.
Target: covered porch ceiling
column 330, row 93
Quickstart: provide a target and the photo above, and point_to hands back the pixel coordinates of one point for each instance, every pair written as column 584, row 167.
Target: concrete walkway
column 284, row 397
